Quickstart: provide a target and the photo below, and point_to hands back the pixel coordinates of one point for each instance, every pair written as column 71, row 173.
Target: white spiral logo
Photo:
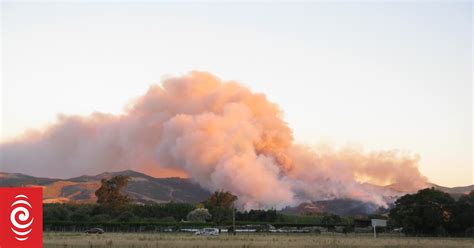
column 20, row 217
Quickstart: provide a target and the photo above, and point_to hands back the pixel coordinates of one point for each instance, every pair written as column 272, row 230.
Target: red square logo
column 21, row 217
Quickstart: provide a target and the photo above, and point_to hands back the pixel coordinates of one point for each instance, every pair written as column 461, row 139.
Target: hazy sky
column 378, row 75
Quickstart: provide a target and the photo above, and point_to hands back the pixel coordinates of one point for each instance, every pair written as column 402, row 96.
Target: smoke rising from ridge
column 218, row 133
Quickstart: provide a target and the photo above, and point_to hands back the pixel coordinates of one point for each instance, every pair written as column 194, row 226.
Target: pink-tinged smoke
column 218, row 133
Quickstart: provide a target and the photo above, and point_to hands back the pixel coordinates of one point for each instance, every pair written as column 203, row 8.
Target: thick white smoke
column 218, row 133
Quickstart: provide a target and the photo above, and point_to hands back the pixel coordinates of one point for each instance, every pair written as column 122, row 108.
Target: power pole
column 233, row 219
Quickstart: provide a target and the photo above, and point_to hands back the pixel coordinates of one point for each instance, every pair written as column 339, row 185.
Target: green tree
column 199, row 215
column 463, row 215
column 220, row 206
column 101, row 218
column 331, row 219
column 428, row 212
column 81, row 214
column 220, row 199
column 55, row 212
column 126, row 216
column 110, row 192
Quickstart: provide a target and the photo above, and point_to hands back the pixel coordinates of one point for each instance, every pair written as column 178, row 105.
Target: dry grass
column 148, row 240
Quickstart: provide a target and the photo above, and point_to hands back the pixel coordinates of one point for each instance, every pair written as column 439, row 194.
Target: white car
column 208, row 232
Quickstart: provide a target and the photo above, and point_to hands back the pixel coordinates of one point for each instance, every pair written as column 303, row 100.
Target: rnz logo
column 20, row 218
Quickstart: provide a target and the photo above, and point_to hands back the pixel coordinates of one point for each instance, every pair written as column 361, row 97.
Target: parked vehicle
column 208, row 232
column 95, row 230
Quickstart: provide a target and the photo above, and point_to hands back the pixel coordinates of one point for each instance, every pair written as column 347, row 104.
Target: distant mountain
column 455, row 192
column 341, row 207
column 349, row 207
column 146, row 189
column 17, row 179
column 352, row 207
column 141, row 188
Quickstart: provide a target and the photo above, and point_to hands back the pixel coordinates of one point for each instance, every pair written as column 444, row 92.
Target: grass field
column 150, row 240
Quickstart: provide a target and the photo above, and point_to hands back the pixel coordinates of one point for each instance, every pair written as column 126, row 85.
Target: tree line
column 427, row 212
column 114, row 206
column 433, row 212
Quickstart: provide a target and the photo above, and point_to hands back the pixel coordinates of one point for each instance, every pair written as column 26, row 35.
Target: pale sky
column 378, row 75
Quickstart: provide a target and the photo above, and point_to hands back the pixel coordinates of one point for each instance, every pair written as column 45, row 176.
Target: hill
column 141, row 188
column 146, row 189
column 455, row 192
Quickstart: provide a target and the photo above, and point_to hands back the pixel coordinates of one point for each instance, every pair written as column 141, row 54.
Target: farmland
column 137, row 240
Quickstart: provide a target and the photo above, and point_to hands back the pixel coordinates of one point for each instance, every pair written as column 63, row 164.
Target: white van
column 208, row 232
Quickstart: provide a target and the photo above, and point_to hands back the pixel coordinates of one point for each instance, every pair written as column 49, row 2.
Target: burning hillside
column 218, row 133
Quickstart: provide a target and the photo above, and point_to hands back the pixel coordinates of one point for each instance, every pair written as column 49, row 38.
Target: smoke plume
column 218, row 133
